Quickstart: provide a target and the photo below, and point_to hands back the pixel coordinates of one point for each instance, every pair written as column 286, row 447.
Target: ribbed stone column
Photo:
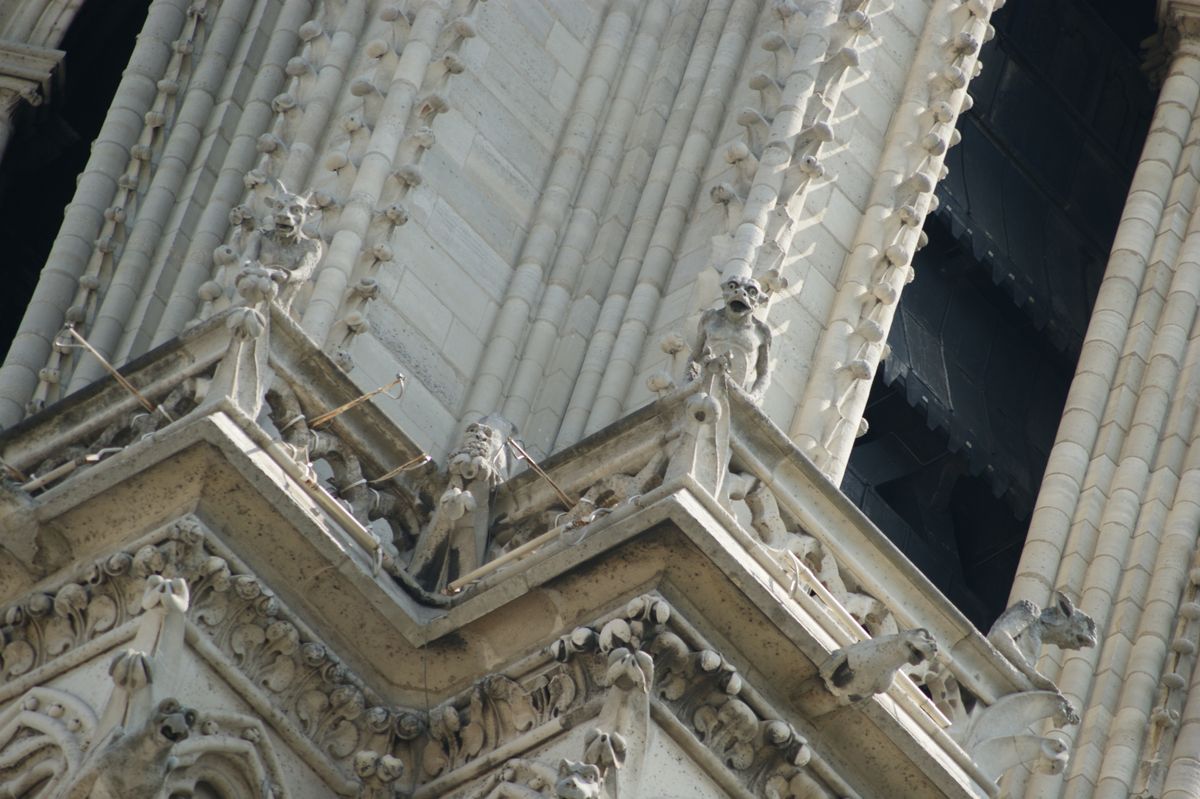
column 84, row 216
column 879, row 264
column 1115, row 526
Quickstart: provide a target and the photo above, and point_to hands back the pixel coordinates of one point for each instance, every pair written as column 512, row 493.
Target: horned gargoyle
column 861, row 670
column 1021, row 630
column 281, row 246
column 732, row 333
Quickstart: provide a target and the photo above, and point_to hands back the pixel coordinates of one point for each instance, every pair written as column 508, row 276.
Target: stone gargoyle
column 998, row 737
column 281, row 245
column 861, row 670
column 1021, row 630
column 524, row 779
column 133, row 764
column 733, row 334
column 456, row 538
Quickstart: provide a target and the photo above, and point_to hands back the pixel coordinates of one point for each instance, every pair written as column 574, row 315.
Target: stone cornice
column 662, row 500
column 28, row 72
column 297, row 684
column 1178, row 29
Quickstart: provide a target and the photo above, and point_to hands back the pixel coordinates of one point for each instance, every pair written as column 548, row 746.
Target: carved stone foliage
column 42, row 741
column 236, row 613
column 636, row 653
column 46, row 625
column 242, row 618
column 52, row 744
column 699, row 687
column 496, row 708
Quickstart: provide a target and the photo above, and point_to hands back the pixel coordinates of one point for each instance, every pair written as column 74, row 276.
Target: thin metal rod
column 513, row 554
column 412, row 463
column 328, row 416
column 147, row 404
column 525, row 456
column 14, row 471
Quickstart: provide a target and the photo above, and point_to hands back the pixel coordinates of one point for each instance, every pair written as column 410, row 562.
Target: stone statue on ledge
column 1021, row 630
column 455, row 540
column 733, row 334
column 281, row 246
column 861, row 670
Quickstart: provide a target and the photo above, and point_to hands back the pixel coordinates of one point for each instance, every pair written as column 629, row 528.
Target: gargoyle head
column 288, row 212
column 172, row 723
column 578, row 781
column 742, row 295
column 1066, row 626
column 921, row 646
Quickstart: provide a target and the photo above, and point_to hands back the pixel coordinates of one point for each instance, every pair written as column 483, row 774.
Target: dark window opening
column 963, row 413
column 51, row 143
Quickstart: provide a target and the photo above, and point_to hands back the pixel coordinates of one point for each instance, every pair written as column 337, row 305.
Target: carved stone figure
column 134, row 764
column 1021, row 630
column 793, row 547
column 456, row 538
column 862, row 670
column 577, row 780
column 997, row 736
column 996, row 756
column 1013, row 714
column 282, row 247
column 524, row 779
column 731, row 333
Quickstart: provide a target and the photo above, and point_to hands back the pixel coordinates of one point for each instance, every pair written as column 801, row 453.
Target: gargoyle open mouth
column 738, row 306
column 173, row 733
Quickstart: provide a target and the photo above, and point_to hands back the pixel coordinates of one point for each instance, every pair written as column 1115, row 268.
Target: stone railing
column 272, row 385
column 710, row 441
column 715, row 442
column 373, row 481
column 449, row 535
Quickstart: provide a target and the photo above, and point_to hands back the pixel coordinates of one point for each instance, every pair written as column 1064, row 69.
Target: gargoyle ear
column 1064, row 604
column 564, row 767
